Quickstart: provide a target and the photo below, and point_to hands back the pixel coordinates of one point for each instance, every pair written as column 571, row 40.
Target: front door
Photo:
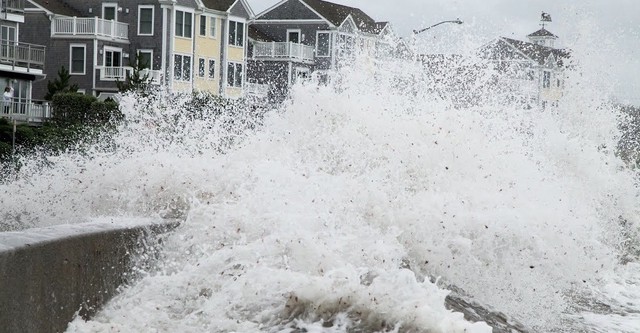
column 293, row 36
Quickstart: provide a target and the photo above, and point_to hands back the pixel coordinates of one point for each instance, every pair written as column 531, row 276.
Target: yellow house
column 207, row 46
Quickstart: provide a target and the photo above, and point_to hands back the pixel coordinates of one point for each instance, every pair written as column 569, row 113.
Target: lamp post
column 417, row 32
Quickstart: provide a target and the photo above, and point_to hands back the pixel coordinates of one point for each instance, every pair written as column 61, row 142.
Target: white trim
column 173, row 70
column 84, row 70
column 242, row 66
column 153, row 18
column 163, row 57
column 271, row 8
column 321, row 19
column 206, row 24
column 183, row 20
column 106, row 49
column 204, row 73
column 110, row 4
column 214, row 25
column 292, row 22
column 150, row 58
column 329, row 46
column 244, row 31
column 299, row 31
column 209, row 68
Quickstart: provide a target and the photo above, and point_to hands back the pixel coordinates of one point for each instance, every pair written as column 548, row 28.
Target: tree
column 60, row 85
column 138, row 80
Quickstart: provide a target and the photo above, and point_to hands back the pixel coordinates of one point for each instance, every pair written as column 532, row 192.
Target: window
column 558, row 83
column 212, row 68
column 183, row 24
column 145, row 59
column 236, row 33
column 112, row 57
column 203, row 25
column 293, row 36
column 234, row 74
column 8, row 39
column 323, row 44
column 212, row 27
column 109, row 11
column 77, row 56
column 546, row 79
column 145, row 20
column 201, row 67
column 182, row 67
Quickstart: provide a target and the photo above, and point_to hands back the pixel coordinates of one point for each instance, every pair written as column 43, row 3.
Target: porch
column 32, row 112
column 283, row 51
column 22, row 57
column 64, row 26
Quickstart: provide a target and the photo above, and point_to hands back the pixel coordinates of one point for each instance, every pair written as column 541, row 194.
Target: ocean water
column 357, row 206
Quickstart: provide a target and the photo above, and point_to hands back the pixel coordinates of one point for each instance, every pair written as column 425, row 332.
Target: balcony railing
column 22, row 54
column 257, row 90
column 13, row 6
column 108, row 73
column 155, row 77
column 25, row 111
column 89, row 26
column 284, row 51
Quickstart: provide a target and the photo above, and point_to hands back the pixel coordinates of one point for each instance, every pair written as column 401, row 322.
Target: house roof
column 221, row 5
column 542, row 33
column 507, row 48
column 336, row 14
column 58, row 7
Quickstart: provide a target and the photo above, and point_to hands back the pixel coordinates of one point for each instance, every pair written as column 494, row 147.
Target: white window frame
column 235, row 64
column 84, row 67
column 299, row 31
column 204, row 67
column 112, row 49
column 181, row 79
column 328, row 44
column 150, row 58
column 213, row 29
column 153, row 18
column 206, row 24
column 110, row 4
column 184, row 12
column 209, row 68
column 244, row 32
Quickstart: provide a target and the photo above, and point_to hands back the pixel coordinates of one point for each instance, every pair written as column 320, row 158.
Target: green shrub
column 75, row 109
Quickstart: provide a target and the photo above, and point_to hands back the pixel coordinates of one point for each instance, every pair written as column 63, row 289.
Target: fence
column 280, row 50
column 72, row 26
column 23, row 111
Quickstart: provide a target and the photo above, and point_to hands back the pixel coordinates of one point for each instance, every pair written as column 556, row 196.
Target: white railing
column 22, row 54
column 108, row 73
column 25, row 111
column 258, row 90
column 285, row 51
column 155, row 77
column 13, row 6
column 83, row 26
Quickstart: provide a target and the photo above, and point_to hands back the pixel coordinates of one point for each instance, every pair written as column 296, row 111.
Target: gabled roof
column 508, row 49
column 542, row 33
column 58, row 7
column 336, row 14
column 221, row 5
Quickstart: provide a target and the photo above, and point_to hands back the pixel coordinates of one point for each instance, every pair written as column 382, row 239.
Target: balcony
column 283, row 51
column 26, row 111
column 64, row 26
column 256, row 90
column 13, row 6
column 22, row 57
column 155, row 77
column 108, row 73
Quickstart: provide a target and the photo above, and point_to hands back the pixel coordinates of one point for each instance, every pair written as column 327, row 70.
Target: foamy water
column 339, row 211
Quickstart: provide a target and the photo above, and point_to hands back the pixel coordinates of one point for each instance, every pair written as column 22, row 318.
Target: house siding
column 239, row 10
column 208, row 47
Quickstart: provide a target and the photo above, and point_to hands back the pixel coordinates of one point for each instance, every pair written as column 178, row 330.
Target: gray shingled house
column 21, row 66
column 186, row 44
column 295, row 38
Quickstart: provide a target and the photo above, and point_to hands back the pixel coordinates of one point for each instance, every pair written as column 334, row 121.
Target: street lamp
column 416, row 32
column 456, row 21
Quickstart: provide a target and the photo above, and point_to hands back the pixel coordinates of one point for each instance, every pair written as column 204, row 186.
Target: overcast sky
column 610, row 27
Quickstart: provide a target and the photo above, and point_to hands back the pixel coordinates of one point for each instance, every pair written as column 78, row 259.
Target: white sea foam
column 338, row 211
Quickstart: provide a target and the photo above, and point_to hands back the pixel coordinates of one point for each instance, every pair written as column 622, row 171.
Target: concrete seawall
column 48, row 275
